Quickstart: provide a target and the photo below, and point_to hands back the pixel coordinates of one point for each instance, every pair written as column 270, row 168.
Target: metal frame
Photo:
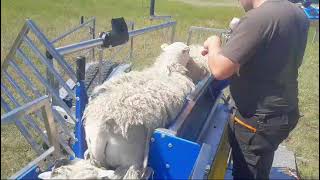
column 52, row 81
column 43, row 104
column 99, row 41
column 221, row 32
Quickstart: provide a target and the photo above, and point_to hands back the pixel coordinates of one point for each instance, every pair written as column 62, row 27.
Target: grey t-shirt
column 269, row 45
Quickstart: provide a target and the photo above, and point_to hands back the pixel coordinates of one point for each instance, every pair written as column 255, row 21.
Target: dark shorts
column 253, row 152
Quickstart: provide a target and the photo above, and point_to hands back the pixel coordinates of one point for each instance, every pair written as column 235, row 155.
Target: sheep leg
column 146, row 151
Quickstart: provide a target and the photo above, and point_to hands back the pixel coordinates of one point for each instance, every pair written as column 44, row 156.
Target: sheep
column 123, row 109
column 198, row 65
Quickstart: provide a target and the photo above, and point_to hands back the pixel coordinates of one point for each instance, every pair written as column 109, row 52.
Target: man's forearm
column 220, row 66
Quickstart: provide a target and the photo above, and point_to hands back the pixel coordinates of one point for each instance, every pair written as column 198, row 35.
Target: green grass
column 304, row 140
column 55, row 17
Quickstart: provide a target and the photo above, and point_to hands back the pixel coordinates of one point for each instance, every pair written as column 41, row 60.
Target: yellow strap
column 245, row 125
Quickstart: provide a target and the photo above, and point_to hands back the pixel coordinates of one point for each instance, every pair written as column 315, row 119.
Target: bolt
column 170, row 145
column 37, row 170
column 167, row 166
column 163, row 135
column 78, row 84
column 152, row 139
column 207, row 169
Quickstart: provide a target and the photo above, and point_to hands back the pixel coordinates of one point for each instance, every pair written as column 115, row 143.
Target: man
column 261, row 58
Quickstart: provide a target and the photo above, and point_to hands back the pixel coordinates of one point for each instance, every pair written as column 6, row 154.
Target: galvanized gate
column 36, row 76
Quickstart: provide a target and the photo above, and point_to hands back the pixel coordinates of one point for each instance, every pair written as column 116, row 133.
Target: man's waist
column 261, row 122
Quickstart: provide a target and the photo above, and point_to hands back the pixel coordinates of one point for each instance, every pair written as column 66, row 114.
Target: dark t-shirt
column 269, row 45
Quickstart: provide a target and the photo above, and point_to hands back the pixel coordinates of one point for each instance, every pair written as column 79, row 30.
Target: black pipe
column 152, row 2
column 81, row 68
column 81, row 20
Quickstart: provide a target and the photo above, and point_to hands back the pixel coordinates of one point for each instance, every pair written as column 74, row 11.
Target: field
column 55, row 17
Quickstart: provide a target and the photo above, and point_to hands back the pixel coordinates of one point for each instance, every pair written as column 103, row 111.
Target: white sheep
column 123, row 109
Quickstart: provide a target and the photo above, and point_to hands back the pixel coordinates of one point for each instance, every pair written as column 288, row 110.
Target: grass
column 55, row 17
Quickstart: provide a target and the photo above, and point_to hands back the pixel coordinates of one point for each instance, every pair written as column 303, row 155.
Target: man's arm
column 247, row 37
column 221, row 67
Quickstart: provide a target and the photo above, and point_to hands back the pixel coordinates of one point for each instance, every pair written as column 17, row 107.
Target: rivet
column 163, row 135
column 78, row 84
column 77, row 98
column 167, row 166
column 170, row 145
column 37, row 170
column 207, row 169
column 152, row 139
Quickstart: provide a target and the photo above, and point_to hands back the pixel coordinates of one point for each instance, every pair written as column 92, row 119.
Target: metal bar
column 16, row 86
column 80, row 46
column 65, row 146
column 131, row 42
column 15, row 45
column 33, row 124
column 80, row 145
column 207, row 123
column 151, row 28
column 63, row 123
column 152, row 2
column 5, row 90
column 196, row 28
column 51, row 127
column 56, row 114
column 189, row 37
column 99, row 41
column 26, row 99
column 33, row 163
column 43, row 81
column 25, row 78
column 49, row 66
column 159, row 17
column 22, row 129
column 191, row 101
column 72, row 30
column 173, row 33
column 214, row 30
column 51, row 49
column 93, row 37
column 194, row 95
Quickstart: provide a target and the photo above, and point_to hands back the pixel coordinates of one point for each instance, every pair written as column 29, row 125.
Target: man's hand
column 211, row 44
column 221, row 67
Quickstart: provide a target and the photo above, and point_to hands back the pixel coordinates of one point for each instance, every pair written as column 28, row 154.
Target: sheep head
column 198, row 65
column 176, row 52
column 174, row 58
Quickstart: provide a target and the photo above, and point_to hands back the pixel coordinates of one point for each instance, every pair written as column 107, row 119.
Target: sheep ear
column 186, row 50
column 163, row 46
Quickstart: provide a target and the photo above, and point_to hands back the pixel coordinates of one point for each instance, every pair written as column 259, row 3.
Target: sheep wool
column 122, row 109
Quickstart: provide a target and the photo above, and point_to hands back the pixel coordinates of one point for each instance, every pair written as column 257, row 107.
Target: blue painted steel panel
column 80, row 145
column 311, row 12
column 30, row 173
column 172, row 157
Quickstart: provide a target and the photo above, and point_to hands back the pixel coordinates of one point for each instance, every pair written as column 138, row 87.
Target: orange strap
column 245, row 125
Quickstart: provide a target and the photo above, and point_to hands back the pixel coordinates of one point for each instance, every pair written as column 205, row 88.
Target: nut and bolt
column 152, row 139
column 167, row 166
column 170, row 145
column 163, row 135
